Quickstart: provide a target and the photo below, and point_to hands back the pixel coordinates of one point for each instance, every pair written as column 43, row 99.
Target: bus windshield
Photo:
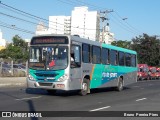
column 48, row 57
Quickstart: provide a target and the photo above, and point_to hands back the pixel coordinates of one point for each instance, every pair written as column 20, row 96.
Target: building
column 2, row 41
column 106, row 36
column 27, row 41
column 60, row 24
column 85, row 23
column 41, row 29
column 82, row 22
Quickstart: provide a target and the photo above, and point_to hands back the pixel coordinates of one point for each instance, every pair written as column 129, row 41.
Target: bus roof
column 118, row 48
column 96, row 43
column 78, row 39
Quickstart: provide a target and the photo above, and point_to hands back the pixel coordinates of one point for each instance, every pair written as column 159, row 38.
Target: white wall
column 59, row 24
column 91, row 25
column 2, row 41
column 84, row 23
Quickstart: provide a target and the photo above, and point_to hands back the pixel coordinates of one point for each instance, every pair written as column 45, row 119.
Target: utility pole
column 103, row 18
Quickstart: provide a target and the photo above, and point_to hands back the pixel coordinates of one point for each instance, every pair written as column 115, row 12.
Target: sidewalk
column 12, row 81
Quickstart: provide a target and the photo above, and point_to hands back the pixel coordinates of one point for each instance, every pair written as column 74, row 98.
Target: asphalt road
column 141, row 96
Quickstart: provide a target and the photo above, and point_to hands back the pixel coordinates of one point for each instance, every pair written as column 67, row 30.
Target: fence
column 10, row 68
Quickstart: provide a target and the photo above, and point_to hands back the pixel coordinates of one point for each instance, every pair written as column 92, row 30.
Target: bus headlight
column 63, row 78
column 30, row 77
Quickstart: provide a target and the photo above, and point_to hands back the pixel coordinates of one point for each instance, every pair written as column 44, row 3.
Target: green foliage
column 123, row 44
column 147, row 47
column 16, row 50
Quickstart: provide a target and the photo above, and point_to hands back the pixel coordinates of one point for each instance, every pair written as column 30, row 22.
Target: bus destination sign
column 49, row 40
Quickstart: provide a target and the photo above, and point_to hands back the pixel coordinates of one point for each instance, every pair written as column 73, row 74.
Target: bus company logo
column 45, row 79
column 6, row 114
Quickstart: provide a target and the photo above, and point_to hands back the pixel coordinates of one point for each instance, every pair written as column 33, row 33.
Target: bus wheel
column 51, row 91
column 120, row 84
column 85, row 87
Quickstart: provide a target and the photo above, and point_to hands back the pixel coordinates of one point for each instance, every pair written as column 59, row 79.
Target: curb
column 12, row 81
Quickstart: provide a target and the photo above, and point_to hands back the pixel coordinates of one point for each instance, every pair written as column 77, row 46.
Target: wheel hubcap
column 120, row 85
column 84, row 86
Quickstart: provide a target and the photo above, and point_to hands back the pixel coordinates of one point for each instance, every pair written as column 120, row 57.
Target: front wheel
column 85, row 87
column 120, row 85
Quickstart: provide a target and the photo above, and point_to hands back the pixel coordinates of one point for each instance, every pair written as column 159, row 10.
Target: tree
column 123, row 44
column 16, row 50
column 148, row 49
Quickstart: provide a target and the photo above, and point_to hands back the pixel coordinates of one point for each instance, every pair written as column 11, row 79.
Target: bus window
column 128, row 59
column 96, row 55
column 75, row 56
column 133, row 61
column 86, row 53
column 113, row 57
column 105, row 56
column 35, row 53
column 121, row 58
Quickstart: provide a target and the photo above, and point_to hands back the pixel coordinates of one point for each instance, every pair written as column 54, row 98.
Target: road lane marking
column 29, row 98
column 136, row 86
column 141, row 99
column 100, row 108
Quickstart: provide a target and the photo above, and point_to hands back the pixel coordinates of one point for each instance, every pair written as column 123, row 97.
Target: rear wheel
column 85, row 87
column 120, row 84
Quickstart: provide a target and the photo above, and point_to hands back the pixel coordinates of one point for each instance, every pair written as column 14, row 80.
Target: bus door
column 75, row 64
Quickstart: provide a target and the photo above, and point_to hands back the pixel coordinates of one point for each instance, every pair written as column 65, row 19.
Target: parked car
column 6, row 69
column 19, row 70
column 158, row 73
column 143, row 72
column 19, row 66
column 152, row 72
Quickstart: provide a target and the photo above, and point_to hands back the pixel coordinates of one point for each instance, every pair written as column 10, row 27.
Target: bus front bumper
column 48, row 85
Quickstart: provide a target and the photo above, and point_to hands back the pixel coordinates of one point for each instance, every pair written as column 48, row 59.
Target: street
column 141, row 96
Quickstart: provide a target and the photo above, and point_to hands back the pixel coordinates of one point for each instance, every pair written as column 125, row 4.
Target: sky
column 142, row 15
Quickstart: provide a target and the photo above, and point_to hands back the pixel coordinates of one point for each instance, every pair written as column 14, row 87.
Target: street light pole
column 103, row 17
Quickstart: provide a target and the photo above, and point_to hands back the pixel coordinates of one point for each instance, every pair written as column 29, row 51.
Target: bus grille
column 45, row 84
column 45, row 75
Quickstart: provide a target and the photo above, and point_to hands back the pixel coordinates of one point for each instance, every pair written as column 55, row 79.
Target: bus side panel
column 86, row 70
column 130, row 78
column 108, row 75
column 96, row 76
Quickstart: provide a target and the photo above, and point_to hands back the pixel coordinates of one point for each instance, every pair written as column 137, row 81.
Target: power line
column 129, row 28
column 122, row 25
column 83, row 3
column 117, row 15
column 127, row 22
column 37, row 18
column 20, row 19
column 6, row 25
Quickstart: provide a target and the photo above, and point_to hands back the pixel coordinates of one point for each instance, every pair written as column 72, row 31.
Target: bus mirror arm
column 44, row 58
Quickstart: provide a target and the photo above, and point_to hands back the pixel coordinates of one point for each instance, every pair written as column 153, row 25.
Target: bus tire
column 120, row 84
column 51, row 92
column 85, row 87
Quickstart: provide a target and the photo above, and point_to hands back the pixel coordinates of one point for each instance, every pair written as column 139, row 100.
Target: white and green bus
column 66, row 62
